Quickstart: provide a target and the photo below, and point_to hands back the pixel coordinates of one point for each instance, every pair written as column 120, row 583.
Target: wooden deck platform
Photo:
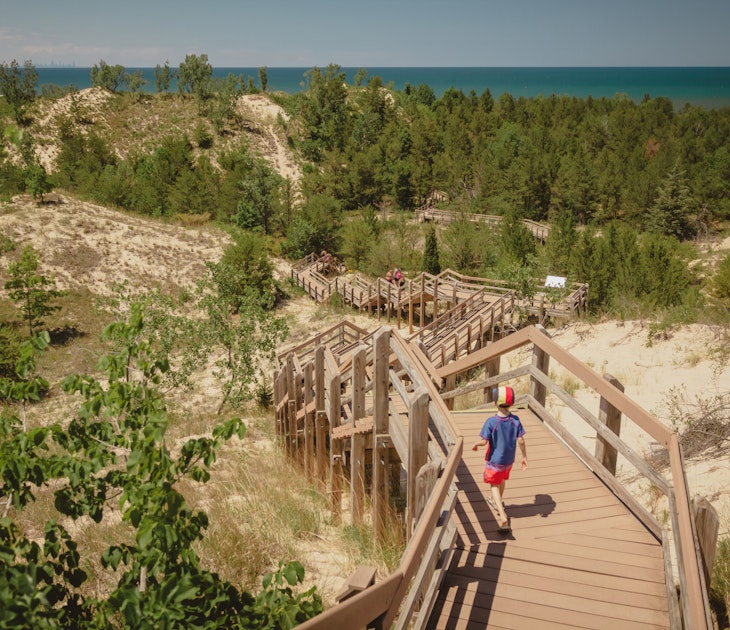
column 576, row 557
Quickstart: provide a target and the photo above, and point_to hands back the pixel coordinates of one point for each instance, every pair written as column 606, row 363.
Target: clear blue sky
column 368, row 33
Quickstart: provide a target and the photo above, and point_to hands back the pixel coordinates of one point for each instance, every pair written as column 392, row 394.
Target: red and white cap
column 503, row 396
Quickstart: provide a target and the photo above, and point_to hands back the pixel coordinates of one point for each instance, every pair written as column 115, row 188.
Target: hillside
column 139, row 124
column 91, row 249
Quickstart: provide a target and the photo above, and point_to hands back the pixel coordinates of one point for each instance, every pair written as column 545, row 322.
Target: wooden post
column 410, row 309
column 291, row 422
column 707, row 524
column 381, row 426
column 491, row 368
column 320, row 429
column 390, row 304
column 540, row 361
column 435, row 299
column 278, row 397
column 357, row 454
column 422, row 310
column 611, row 417
column 417, row 450
column 450, row 386
column 336, row 488
column 309, row 415
column 334, row 417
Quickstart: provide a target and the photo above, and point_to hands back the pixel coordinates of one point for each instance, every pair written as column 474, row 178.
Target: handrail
column 427, row 212
column 379, row 604
column 691, row 576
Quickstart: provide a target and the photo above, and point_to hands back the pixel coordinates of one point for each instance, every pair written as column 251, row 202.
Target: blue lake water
column 704, row 87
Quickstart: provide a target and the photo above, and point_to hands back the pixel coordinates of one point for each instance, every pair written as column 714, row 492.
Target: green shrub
column 9, row 350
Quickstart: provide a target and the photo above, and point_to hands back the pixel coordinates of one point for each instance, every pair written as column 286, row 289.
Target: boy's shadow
column 543, row 505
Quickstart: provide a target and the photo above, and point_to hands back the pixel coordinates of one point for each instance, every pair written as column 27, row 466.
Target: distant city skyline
column 377, row 33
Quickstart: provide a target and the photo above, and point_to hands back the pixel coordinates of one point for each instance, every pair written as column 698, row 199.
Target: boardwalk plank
column 576, row 557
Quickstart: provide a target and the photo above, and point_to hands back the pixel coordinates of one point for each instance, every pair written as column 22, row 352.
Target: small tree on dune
column 31, row 291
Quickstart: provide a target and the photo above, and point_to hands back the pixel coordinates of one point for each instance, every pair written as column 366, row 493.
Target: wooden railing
column 329, row 410
column 334, row 407
column 464, row 328
column 427, row 212
column 387, row 298
column 691, row 610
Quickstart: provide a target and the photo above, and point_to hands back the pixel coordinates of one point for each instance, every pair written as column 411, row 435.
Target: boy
column 501, row 434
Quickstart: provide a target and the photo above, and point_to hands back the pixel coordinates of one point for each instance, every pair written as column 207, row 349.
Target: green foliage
column 516, row 243
column 259, row 199
column 193, row 76
column 674, row 204
column 324, row 112
column 468, row 247
column 358, row 238
column 245, row 273
column 114, row 453
column 32, row 292
column 277, row 606
column 37, row 181
column 246, row 338
column 163, row 76
column 18, row 87
column 82, row 158
column 431, row 263
column 108, row 77
column 720, row 283
column 622, row 266
column 9, row 349
column 314, row 228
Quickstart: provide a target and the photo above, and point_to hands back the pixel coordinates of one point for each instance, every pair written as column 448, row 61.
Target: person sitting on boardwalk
column 389, row 276
column 398, row 278
column 501, row 434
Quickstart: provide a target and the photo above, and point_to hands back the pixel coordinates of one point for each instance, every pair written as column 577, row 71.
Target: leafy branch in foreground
column 112, row 458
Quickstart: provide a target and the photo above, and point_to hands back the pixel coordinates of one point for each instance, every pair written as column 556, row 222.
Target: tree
column 114, row 455
column 32, row 292
column 36, row 181
column 358, row 238
column 163, row 75
column 259, row 201
column 314, row 228
column 673, row 206
column 135, row 81
column 18, row 87
column 244, row 273
column 264, row 78
column 193, row 76
column 516, row 242
column 431, row 263
column 108, row 77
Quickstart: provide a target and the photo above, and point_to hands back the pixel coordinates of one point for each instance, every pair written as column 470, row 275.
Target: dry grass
column 260, row 509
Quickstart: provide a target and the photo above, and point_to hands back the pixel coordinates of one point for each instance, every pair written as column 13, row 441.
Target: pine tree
column 431, row 263
column 670, row 213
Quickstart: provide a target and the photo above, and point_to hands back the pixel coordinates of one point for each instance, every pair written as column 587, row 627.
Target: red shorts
column 496, row 477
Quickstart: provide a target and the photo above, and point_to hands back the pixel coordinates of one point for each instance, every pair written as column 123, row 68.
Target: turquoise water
column 704, row 87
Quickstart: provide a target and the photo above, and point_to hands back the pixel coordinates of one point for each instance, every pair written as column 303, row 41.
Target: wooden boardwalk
column 583, row 551
column 576, row 558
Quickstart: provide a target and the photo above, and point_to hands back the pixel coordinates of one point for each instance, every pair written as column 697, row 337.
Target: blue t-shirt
column 502, row 433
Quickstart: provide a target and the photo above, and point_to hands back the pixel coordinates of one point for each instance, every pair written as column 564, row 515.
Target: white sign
column 555, row 281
